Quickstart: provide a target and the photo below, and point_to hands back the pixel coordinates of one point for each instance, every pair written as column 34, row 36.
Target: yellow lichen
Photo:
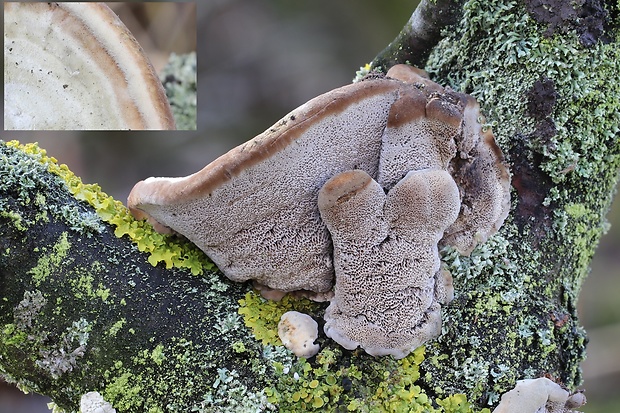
column 172, row 252
column 262, row 316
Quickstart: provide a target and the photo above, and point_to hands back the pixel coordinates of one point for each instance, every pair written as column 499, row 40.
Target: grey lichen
column 28, row 308
column 64, row 356
column 229, row 395
column 523, row 284
column 180, row 81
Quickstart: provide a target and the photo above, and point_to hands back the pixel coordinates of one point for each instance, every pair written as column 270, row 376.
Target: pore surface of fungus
column 76, row 66
column 388, row 282
column 255, row 210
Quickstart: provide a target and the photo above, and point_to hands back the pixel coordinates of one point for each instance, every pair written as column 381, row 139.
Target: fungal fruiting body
column 256, row 212
column 75, row 65
column 539, row 395
column 298, row 332
column 386, row 259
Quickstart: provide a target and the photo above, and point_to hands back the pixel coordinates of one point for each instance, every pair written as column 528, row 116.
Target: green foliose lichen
column 48, row 263
column 262, row 316
column 364, row 385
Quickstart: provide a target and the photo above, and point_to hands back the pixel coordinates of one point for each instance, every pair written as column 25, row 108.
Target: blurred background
column 257, row 60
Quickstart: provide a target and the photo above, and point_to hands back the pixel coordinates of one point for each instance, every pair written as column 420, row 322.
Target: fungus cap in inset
column 76, row 66
column 298, row 332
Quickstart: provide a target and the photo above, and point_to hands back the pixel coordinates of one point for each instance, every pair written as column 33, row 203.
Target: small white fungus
column 298, row 332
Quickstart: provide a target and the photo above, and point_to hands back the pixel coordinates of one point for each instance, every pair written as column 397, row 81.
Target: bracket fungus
column 257, row 213
column 389, row 286
column 76, row 66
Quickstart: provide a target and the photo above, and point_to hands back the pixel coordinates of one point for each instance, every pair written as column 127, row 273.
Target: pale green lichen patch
column 48, row 264
column 179, row 80
column 157, row 355
column 116, row 327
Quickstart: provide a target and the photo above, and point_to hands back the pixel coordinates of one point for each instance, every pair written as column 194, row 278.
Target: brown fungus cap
column 76, row 66
column 448, row 133
column 256, row 211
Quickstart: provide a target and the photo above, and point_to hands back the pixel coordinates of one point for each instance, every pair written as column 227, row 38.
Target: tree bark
column 83, row 309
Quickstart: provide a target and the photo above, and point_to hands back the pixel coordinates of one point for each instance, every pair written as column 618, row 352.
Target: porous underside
column 254, row 210
column 388, row 283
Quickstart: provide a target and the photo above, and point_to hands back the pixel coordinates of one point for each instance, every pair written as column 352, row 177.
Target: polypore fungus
column 431, row 127
column 256, row 211
column 386, row 258
column 76, row 66
column 539, row 395
column 298, row 332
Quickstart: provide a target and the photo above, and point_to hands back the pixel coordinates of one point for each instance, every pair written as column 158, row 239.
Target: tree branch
column 82, row 308
column 421, row 33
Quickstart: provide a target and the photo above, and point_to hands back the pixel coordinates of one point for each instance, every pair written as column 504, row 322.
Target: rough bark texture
column 82, row 308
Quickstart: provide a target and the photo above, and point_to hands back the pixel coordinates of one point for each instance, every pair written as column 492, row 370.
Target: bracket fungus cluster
column 388, row 284
column 76, row 66
column 357, row 188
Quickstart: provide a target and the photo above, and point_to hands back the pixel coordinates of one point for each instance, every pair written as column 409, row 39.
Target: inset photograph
column 77, row 66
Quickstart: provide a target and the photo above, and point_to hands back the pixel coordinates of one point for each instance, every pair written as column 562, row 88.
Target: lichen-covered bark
column 549, row 90
column 83, row 309
column 180, row 82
